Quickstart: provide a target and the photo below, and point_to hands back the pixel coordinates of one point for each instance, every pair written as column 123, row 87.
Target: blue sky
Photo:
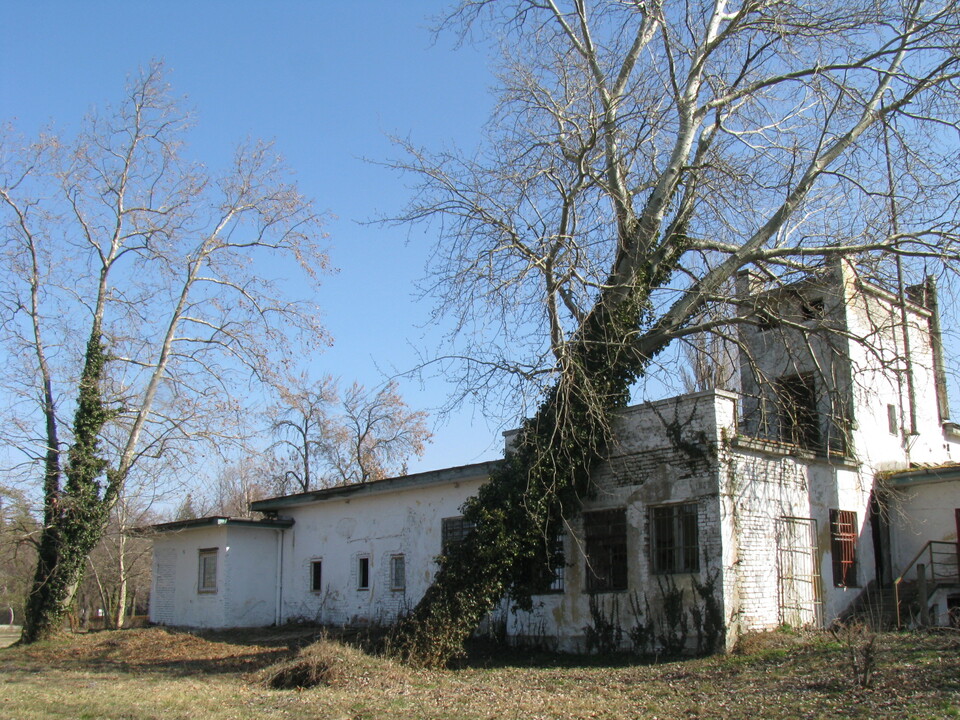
column 329, row 82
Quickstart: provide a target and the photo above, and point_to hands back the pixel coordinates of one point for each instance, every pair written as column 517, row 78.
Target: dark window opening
column 549, row 575
column 605, row 537
column 453, row 531
column 765, row 321
column 797, row 416
column 316, row 576
column 674, row 539
column 843, row 547
column 363, row 574
column 812, row 309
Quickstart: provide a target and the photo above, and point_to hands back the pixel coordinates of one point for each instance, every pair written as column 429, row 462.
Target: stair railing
column 941, row 566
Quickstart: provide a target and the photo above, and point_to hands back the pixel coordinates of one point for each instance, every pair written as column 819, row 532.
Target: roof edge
column 402, row 482
column 218, row 521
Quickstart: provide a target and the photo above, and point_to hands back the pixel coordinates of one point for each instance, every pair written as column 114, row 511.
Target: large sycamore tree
column 643, row 152
column 133, row 300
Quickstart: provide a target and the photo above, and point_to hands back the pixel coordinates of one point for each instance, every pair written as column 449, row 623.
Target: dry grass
column 154, row 673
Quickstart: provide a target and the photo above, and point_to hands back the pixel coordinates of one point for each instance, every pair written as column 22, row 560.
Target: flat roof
column 219, row 521
column 946, row 472
column 374, row 487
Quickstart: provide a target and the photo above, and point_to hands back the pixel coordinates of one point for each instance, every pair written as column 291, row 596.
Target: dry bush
column 330, row 663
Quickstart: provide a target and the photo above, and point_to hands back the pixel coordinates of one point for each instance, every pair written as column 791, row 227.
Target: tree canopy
column 641, row 155
column 135, row 307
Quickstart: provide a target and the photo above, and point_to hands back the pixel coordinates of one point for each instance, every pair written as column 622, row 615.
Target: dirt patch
column 157, row 649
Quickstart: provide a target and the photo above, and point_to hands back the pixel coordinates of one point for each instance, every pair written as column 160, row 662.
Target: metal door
column 798, row 572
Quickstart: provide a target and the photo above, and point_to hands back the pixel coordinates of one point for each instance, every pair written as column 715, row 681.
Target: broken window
column 674, row 539
column 363, row 573
column 797, row 417
column 316, row 575
column 398, row 572
column 843, row 547
column 605, row 539
column 452, row 531
column 207, row 580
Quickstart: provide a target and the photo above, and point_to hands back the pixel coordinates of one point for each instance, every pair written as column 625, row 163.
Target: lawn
column 155, row 673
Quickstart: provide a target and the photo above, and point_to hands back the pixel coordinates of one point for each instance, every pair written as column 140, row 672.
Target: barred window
column 674, row 539
column 605, row 539
column 452, row 531
column 316, row 575
column 547, row 577
column 843, row 547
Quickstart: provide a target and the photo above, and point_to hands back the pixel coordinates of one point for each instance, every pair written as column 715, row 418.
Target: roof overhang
column 925, row 475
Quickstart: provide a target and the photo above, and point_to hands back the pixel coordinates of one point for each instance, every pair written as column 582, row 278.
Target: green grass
column 146, row 674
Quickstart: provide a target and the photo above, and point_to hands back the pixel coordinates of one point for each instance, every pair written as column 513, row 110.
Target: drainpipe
column 278, row 612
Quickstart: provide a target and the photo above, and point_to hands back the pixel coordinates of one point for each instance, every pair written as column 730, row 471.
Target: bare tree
column 300, row 423
column 641, row 155
column 131, row 305
column 118, row 577
column 19, row 531
column 374, row 436
column 365, row 435
column 238, row 484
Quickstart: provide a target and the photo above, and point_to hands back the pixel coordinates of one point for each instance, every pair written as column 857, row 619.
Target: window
column 207, row 581
column 811, row 309
column 398, row 572
column 363, row 573
column 559, row 572
column 893, row 423
column 843, row 547
column 549, row 579
column 452, row 531
column 605, row 537
column 316, row 575
column 674, row 539
column 797, row 416
column 765, row 321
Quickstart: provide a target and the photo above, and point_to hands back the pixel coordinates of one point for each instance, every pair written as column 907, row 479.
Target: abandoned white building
column 830, row 475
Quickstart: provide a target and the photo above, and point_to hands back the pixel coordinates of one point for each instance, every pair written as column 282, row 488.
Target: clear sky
column 329, row 81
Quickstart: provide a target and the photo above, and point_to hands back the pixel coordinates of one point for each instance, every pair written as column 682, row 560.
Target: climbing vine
column 541, row 483
column 75, row 515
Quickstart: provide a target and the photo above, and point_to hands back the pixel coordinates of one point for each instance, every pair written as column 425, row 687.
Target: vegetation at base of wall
column 604, row 634
column 642, row 635
column 708, row 615
column 673, row 629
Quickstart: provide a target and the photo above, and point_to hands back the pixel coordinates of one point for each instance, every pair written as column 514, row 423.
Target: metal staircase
column 935, row 567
